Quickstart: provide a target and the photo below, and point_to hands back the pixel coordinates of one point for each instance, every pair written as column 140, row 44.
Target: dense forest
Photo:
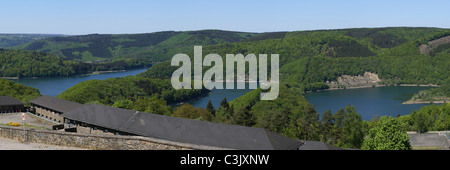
column 18, row 91
column 129, row 92
column 10, row 40
column 152, row 47
column 24, row 63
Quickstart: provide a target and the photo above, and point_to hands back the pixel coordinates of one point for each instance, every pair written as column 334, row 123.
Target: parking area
column 30, row 120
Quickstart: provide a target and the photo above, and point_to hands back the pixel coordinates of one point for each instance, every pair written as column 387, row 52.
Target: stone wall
column 94, row 141
column 48, row 114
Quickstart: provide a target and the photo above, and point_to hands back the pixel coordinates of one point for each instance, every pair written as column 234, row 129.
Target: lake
column 217, row 95
column 369, row 102
column 53, row 86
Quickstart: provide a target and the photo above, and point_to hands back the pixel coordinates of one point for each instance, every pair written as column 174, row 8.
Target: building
column 9, row 104
column 100, row 118
column 52, row 108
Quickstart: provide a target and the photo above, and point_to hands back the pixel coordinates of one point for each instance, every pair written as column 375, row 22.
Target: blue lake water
column 369, row 102
column 217, row 95
column 53, row 86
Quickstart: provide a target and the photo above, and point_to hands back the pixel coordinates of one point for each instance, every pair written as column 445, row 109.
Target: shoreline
column 438, row 101
column 380, row 85
column 93, row 73
column 101, row 72
column 353, row 87
column 425, row 102
column 420, row 85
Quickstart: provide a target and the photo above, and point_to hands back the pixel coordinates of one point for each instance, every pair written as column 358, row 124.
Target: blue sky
column 138, row 16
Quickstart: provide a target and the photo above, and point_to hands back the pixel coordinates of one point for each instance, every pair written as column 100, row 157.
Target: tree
column 205, row 115
column 186, row 111
column 387, row 135
column 190, row 112
column 420, row 121
column 338, row 123
column 210, row 108
column 152, row 105
column 224, row 103
column 309, row 122
column 352, row 129
column 244, row 117
column 327, row 126
column 125, row 104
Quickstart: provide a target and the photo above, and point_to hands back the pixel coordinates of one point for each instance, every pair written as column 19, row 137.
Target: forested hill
column 74, row 55
column 310, row 58
column 24, row 63
column 18, row 91
column 10, row 40
column 154, row 47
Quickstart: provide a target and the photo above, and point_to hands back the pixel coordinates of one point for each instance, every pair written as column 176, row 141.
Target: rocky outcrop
column 346, row 81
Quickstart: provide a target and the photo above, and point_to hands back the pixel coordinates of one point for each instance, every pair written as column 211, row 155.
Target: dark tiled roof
column 9, row 101
column 180, row 129
column 56, row 104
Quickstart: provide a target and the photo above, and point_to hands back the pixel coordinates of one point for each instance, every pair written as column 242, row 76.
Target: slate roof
column 180, row 129
column 56, row 104
column 9, row 101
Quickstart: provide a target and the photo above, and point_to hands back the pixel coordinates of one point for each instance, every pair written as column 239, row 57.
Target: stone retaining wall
column 95, row 141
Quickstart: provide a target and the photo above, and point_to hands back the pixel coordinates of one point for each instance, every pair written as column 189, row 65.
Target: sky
column 78, row 17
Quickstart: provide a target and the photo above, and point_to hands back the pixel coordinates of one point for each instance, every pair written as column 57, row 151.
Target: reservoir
column 53, row 86
column 369, row 102
column 217, row 95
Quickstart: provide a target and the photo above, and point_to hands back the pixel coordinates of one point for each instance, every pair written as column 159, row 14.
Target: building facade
column 52, row 108
column 9, row 104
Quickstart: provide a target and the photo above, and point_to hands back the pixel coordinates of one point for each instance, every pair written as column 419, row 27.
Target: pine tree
column 244, row 117
column 211, row 108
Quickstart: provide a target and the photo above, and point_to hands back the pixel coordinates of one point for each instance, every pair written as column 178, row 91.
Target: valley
column 312, row 63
